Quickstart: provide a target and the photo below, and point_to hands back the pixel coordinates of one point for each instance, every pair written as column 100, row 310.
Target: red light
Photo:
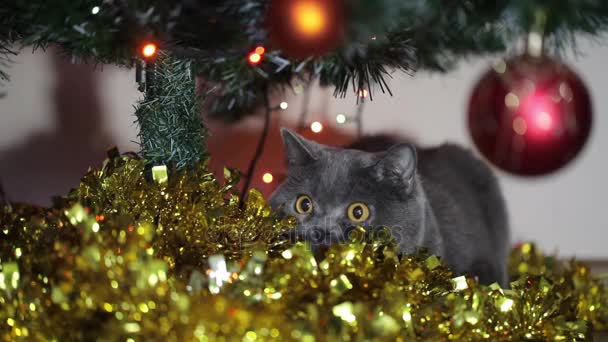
column 255, row 58
column 259, row 50
column 149, row 50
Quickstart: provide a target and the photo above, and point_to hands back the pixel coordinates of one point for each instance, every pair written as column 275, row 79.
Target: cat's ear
column 397, row 165
column 299, row 150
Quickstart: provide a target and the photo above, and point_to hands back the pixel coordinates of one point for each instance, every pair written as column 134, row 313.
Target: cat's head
column 331, row 190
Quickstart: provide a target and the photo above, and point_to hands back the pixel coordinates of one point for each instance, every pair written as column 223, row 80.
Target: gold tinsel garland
column 173, row 257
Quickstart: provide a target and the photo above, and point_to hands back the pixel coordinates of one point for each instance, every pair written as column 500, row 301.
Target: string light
column 341, row 118
column 284, row 105
column 310, row 17
column 267, row 178
column 363, row 93
column 316, row 127
column 259, row 50
column 255, row 58
column 149, row 50
column 95, row 10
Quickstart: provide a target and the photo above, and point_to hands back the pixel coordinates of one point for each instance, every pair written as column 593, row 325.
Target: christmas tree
column 154, row 247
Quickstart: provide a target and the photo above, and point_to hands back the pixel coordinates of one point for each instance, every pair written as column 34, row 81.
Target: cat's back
column 450, row 170
column 454, row 166
column 457, row 183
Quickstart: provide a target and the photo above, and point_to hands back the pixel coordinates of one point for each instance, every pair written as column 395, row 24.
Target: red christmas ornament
column 530, row 115
column 303, row 28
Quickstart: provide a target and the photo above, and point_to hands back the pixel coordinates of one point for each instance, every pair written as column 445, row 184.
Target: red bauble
column 303, row 28
column 530, row 115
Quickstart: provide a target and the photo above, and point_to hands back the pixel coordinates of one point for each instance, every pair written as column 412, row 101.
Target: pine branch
column 380, row 37
column 171, row 129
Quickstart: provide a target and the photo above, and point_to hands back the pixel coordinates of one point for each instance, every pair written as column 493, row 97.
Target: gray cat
column 443, row 199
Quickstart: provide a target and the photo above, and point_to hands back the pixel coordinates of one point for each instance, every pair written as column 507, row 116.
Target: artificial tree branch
column 408, row 36
column 259, row 150
column 171, row 129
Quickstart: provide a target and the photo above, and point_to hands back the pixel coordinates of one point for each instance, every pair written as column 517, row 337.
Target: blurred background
column 57, row 119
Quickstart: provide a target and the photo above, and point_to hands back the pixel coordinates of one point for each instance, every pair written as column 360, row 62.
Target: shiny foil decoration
column 130, row 255
column 530, row 116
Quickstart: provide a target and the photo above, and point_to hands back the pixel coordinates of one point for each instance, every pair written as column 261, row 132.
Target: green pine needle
column 171, row 129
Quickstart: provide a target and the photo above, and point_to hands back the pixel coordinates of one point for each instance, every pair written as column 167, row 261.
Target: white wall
column 563, row 212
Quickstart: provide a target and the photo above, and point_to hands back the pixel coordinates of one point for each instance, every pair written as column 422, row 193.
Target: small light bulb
column 309, row 17
column 267, row 178
column 363, row 93
column 95, row 10
column 316, row 127
column 255, row 58
column 149, row 50
column 341, row 118
column 284, row 105
column 259, row 50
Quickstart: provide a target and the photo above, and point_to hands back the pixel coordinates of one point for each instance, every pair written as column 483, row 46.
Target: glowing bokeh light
column 316, row 127
column 341, row 118
column 363, row 93
column 267, row 178
column 259, row 50
column 520, row 126
column 284, row 105
column 511, row 100
column 500, row 67
column 149, row 50
column 255, row 58
column 309, row 17
column 95, row 10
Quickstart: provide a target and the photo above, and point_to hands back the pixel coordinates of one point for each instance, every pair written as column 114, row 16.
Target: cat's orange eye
column 357, row 212
column 303, row 205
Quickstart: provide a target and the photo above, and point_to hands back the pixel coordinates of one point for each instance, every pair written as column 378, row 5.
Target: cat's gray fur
column 443, row 198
